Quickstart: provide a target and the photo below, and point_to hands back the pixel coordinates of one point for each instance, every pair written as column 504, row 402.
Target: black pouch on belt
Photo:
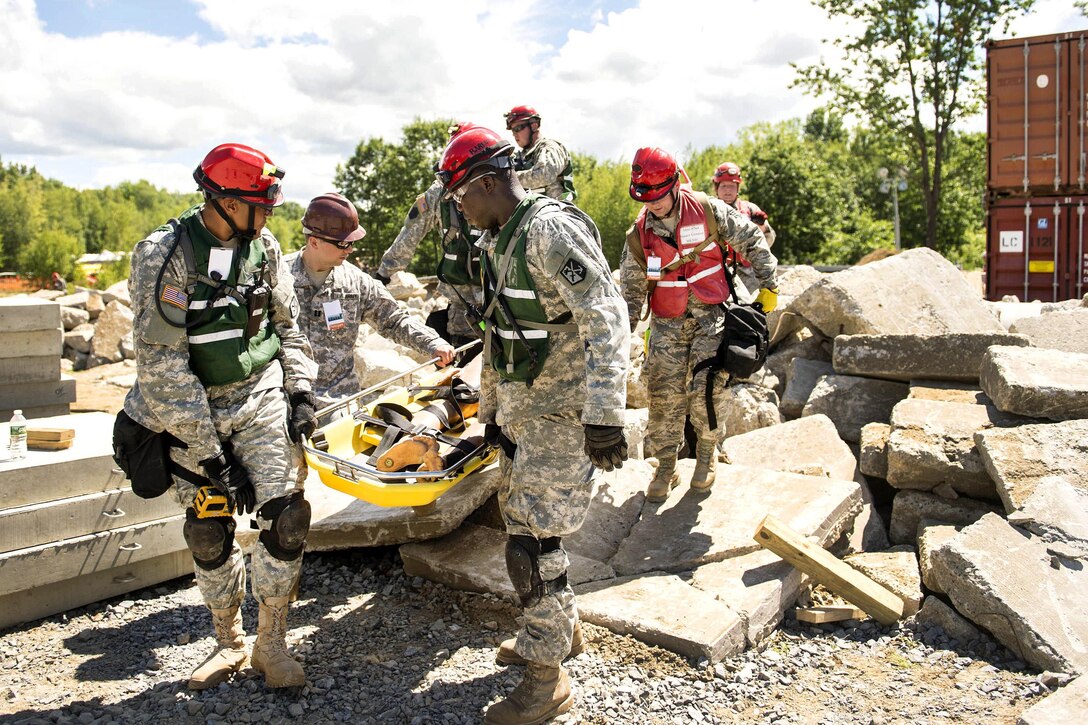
column 143, row 455
column 257, row 303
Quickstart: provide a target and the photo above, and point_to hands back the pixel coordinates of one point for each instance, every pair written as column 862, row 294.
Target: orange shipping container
column 1036, row 248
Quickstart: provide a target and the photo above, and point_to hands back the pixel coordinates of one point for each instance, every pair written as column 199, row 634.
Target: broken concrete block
column 96, row 305
column 744, row 407
column 645, row 607
column 931, row 536
column 70, row 317
column 1056, row 512
column 792, row 282
column 473, row 559
column 1066, row 330
column 1003, row 579
column 759, row 587
column 1067, row 705
column 895, row 570
column 113, row 324
column 933, row 443
column 618, row 497
column 79, row 339
column 801, row 377
column 853, row 402
column 943, row 356
column 874, row 449
column 948, row 392
column 910, row 507
column 691, row 529
column 76, row 299
column 916, row 292
column 805, row 446
column 935, row 613
column 119, row 292
column 1037, row 383
column 374, row 365
column 1018, row 459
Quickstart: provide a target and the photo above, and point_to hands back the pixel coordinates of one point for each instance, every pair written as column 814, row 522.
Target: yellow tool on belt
column 210, row 502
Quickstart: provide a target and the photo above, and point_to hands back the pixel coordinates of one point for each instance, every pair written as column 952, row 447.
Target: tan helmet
column 331, row 216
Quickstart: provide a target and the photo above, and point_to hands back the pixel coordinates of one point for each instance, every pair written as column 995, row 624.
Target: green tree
column 383, row 179
column 602, row 193
column 51, row 251
column 913, row 71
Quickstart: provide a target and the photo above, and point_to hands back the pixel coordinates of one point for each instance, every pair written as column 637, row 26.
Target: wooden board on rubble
column 40, row 445
column 49, row 434
column 822, row 615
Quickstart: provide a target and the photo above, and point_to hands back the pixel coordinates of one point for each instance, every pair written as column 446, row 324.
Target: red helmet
column 458, row 126
column 517, row 114
column 240, row 172
column 467, row 151
column 727, row 172
column 653, row 174
column 331, row 216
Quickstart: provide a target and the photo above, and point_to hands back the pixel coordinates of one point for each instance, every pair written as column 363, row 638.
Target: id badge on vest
column 219, row 262
column 334, row 315
column 653, row 268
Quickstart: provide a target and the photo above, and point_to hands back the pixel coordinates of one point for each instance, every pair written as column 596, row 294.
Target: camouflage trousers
column 257, row 428
column 458, row 323
column 677, row 344
column 546, row 492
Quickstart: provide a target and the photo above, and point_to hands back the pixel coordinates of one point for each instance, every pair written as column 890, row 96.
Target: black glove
column 758, row 216
column 229, row 478
column 606, row 446
column 303, row 419
column 381, row 278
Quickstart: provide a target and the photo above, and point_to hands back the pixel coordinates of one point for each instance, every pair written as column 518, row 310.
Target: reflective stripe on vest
column 460, row 263
column 705, row 276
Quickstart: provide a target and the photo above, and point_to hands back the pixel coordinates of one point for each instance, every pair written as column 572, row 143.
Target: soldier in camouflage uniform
column 558, row 348
column 542, row 164
column 222, row 368
column 677, row 245
column 727, row 181
column 458, row 270
column 335, row 298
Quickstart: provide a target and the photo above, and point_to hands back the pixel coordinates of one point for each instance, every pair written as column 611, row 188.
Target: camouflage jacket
column 167, row 394
column 545, row 175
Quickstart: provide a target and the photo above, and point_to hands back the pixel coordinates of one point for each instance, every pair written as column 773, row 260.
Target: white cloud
column 307, row 81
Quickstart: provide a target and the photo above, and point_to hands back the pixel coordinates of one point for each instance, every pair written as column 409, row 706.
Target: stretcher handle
column 388, row 381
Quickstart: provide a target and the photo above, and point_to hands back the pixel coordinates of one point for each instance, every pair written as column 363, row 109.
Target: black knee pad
column 523, row 565
column 210, row 540
column 284, row 523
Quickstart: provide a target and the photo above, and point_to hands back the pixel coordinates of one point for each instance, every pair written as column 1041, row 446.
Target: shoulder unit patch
column 573, row 271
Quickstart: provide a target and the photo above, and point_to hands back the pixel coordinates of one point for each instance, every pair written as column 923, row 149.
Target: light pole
column 894, row 186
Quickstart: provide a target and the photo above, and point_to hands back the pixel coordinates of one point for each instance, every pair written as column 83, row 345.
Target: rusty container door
column 1028, row 112
column 1077, row 50
column 1078, row 247
column 1028, row 250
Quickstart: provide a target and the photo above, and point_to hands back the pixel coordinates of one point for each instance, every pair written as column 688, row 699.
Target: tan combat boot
column 507, row 656
column 270, row 655
column 665, row 479
column 706, row 466
column 543, row 693
column 229, row 654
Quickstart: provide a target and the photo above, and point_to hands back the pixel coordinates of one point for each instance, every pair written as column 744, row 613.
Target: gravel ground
column 380, row 647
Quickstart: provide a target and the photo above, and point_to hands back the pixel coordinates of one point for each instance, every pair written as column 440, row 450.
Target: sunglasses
column 459, row 193
column 339, row 245
column 519, row 128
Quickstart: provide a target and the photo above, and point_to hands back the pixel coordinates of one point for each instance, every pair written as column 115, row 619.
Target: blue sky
column 95, row 92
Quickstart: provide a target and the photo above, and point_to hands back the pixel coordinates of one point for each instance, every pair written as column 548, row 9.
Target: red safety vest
column 705, row 276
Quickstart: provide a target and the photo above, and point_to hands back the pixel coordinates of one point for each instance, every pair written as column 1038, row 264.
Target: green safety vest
column 460, row 262
column 566, row 178
column 218, row 352
column 516, row 327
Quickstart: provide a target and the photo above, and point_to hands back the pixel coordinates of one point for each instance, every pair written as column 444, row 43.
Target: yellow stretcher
column 343, row 450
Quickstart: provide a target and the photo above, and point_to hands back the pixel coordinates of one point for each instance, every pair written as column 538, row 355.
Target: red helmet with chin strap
column 518, row 114
column 458, row 126
column 653, row 174
column 727, row 172
column 240, row 172
column 469, row 150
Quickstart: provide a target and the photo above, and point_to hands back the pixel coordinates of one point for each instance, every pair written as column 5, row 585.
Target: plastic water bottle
column 18, row 436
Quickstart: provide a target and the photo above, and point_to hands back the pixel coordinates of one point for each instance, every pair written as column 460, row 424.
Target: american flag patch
column 174, row 296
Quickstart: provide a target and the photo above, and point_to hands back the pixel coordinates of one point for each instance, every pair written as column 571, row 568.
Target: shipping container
column 1036, row 248
column 1036, row 115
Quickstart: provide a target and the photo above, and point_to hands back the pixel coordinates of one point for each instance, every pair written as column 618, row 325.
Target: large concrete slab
column 1056, row 512
column 801, row 377
column 113, row 325
column 915, row 292
column 86, row 467
column 473, row 559
column 1066, row 330
column 618, row 497
column 1018, row 459
column 933, row 443
column 692, row 529
column 1037, row 383
column 664, row 610
column 746, row 407
column 897, row 571
column 947, row 356
column 38, row 394
column 910, row 508
column 1007, row 581
column 803, row 342
column 932, row 535
column 853, row 402
column 1068, row 705
column 23, row 314
column 759, row 587
column 948, row 392
column 935, row 612
column 810, row 446
column 35, row 343
column 34, row 369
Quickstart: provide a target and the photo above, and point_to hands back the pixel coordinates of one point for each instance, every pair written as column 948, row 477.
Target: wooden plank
column 40, row 445
column 822, row 615
column 841, row 578
column 49, row 434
